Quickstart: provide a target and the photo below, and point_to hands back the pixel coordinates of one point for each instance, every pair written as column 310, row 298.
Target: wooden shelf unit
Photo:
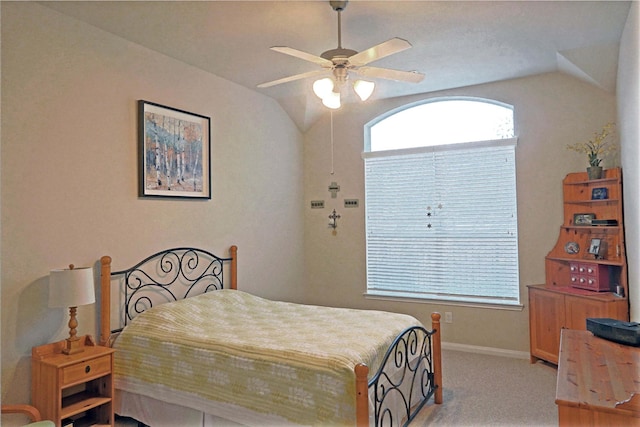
column 76, row 387
column 556, row 304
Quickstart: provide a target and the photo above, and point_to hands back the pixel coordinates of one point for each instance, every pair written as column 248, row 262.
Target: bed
column 218, row 355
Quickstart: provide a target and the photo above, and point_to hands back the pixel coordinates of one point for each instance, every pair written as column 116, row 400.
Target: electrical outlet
column 448, row 317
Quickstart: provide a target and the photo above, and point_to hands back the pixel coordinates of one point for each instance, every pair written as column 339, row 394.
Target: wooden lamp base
column 72, row 344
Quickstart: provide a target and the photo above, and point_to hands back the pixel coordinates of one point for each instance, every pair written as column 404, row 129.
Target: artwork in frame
column 597, row 248
column 583, row 218
column 174, row 152
column 600, row 193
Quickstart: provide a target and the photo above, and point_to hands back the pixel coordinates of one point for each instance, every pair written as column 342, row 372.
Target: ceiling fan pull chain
column 331, row 112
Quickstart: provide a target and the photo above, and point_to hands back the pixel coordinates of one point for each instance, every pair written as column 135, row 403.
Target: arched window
column 441, row 219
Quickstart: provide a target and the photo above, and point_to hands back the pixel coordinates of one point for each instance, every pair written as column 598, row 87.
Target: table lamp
column 70, row 288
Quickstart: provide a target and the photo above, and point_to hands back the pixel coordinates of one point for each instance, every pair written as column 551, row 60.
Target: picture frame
column 595, row 247
column 174, row 150
column 599, row 193
column 583, row 219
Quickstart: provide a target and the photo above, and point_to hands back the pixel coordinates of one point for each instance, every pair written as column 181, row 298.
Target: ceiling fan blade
column 292, row 78
column 374, row 53
column 303, row 55
column 386, row 73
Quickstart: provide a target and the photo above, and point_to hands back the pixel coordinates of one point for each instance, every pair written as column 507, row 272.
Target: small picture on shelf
column 583, row 218
column 599, row 193
column 597, row 248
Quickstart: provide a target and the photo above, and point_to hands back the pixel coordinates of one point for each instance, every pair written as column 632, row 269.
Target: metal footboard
column 406, row 378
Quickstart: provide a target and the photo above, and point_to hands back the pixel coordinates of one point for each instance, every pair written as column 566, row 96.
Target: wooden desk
column 598, row 381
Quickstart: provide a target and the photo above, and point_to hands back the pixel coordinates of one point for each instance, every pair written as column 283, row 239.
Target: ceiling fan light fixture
column 323, row 87
column 332, row 100
column 363, row 88
column 342, row 62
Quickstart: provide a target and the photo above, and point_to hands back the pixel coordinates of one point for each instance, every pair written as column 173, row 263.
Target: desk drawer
column 86, row 370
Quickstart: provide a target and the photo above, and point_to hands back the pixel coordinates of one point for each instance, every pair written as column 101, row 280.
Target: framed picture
column 583, row 218
column 599, row 193
column 594, row 247
column 174, row 149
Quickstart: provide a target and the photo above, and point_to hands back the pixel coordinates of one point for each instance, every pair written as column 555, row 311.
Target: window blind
column 441, row 223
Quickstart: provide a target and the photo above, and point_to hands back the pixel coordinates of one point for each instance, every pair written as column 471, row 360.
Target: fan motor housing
column 338, row 54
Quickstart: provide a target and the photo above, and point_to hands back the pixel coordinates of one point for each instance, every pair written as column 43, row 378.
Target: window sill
column 423, row 300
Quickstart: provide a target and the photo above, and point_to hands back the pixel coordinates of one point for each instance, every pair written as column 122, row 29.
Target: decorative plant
column 600, row 147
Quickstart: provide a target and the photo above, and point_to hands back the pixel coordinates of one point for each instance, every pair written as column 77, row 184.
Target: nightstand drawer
column 81, row 372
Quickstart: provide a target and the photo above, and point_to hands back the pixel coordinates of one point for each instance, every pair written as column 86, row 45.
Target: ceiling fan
column 340, row 62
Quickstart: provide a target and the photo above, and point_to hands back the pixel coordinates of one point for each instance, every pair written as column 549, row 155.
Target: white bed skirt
column 156, row 413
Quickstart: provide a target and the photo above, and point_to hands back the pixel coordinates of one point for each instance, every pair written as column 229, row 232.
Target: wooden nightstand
column 76, row 387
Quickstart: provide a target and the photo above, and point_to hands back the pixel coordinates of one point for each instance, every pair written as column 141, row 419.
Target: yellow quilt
column 290, row 360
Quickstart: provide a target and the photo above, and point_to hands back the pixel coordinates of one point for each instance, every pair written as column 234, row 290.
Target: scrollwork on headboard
column 166, row 276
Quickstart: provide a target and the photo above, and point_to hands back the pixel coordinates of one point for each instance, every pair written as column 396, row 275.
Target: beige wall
column 551, row 110
column 69, row 174
column 69, row 179
column 629, row 118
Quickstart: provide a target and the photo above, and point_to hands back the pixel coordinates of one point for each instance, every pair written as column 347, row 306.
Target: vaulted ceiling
column 455, row 43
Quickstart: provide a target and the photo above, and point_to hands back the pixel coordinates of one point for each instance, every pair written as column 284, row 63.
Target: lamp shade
column 364, row 89
column 323, row 87
column 71, row 287
column 332, row 100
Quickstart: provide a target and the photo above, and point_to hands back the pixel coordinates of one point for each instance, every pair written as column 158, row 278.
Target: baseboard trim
column 491, row 351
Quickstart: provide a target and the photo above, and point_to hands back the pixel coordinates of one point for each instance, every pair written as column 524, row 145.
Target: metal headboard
column 166, row 276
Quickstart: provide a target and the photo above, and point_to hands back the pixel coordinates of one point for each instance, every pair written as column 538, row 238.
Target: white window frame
column 389, row 260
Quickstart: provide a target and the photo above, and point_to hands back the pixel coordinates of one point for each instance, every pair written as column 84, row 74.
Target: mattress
column 227, row 348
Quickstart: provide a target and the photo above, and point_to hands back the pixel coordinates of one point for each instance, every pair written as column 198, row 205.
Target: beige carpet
column 481, row 390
